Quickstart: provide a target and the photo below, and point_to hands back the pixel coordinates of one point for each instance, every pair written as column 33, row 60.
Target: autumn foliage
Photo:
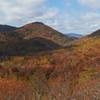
column 70, row 72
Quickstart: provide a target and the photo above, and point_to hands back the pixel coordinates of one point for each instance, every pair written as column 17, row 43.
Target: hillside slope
column 96, row 33
column 38, row 29
column 31, row 38
column 36, row 64
column 27, row 47
column 33, row 30
column 64, row 74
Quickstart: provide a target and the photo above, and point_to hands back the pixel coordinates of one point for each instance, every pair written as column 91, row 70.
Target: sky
column 66, row 16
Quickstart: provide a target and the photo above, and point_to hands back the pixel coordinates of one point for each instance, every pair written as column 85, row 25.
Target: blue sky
column 67, row 16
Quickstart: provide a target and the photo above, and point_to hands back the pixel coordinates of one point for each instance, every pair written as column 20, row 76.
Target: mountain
column 96, row 33
column 32, row 30
column 6, row 28
column 74, row 35
column 31, row 38
column 27, row 47
column 38, row 29
column 6, row 32
column 35, row 64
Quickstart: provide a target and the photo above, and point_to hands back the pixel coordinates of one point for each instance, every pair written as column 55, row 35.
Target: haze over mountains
column 40, row 63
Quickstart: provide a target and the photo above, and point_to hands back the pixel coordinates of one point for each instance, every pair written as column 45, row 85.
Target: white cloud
column 14, row 10
column 86, row 23
column 91, row 3
column 50, row 13
column 20, row 13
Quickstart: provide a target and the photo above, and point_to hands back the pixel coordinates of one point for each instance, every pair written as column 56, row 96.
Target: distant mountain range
column 74, row 35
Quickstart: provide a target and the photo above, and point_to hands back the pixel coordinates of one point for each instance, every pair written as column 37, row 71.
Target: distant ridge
column 6, row 28
column 74, row 35
column 96, row 33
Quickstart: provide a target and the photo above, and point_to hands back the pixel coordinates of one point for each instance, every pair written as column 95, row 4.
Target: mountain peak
column 38, row 29
column 34, row 24
column 38, row 23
